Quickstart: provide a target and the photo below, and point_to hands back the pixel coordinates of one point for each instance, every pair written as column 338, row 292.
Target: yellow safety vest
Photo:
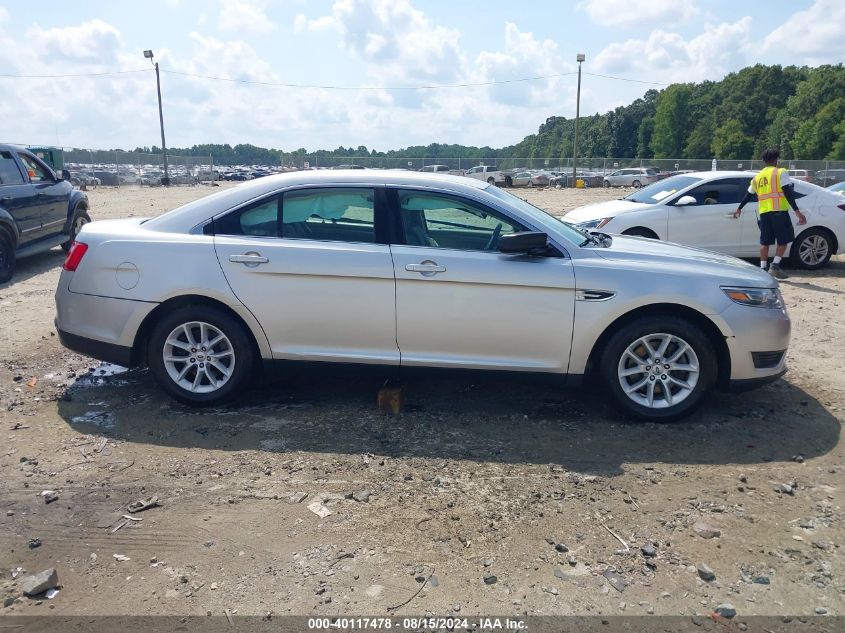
column 769, row 192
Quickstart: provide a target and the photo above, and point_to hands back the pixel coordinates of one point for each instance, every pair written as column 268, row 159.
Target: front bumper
column 755, row 330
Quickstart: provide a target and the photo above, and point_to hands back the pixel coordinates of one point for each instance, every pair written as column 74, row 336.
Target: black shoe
column 776, row 272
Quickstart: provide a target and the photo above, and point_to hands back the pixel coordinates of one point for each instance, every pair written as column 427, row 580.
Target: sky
column 370, row 59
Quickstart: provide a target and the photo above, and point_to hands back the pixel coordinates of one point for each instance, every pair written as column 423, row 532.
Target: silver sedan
column 404, row 269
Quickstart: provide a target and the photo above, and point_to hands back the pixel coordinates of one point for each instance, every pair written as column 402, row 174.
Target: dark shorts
column 775, row 226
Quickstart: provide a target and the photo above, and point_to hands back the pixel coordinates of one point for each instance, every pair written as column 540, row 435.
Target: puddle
column 105, row 374
column 101, row 419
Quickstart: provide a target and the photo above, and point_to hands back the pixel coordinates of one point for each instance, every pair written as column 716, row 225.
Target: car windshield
column 576, row 236
column 662, row 189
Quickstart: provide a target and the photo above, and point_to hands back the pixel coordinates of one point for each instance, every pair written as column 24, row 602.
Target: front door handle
column 249, row 259
column 427, row 268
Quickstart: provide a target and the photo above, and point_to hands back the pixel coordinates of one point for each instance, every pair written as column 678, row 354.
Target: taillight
column 74, row 255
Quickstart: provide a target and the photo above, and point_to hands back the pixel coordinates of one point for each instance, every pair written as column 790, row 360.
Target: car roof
column 186, row 217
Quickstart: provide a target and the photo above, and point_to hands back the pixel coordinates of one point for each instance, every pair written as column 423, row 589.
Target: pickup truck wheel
column 658, row 367
column 80, row 219
column 491, row 181
column 200, row 355
column 7, row 257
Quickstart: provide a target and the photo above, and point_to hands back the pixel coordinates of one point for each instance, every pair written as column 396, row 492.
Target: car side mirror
column 524, row 243
column 684, row 201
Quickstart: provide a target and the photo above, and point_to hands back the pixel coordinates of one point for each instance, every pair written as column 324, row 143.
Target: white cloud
column 627, row 13
column 94, row 41
column 668, row 57
column 524, row 56
column 245, row 15
column 815, row 34
column 4, row 15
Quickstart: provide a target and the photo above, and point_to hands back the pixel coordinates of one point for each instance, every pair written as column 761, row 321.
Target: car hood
column 684, row 260
column 608, row 209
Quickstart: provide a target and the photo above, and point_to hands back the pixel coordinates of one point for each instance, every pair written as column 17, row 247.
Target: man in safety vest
column 775, row 194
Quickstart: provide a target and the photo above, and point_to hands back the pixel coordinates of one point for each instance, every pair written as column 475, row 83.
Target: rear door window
column 10, row 174
column 330, row 214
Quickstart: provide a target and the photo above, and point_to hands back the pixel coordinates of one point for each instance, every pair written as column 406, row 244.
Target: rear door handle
column 427, row 268
column 249, row 259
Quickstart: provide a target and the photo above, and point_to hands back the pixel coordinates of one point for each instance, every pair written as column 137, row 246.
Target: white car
column 632, row 177
column 697, row 210
column 490, row 175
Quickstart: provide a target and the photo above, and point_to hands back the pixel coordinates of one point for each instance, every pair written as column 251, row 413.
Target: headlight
column 755, row 297
column 593, row 224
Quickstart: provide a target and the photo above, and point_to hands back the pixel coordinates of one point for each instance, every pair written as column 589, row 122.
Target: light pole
column 580, row 57
column 166, row 180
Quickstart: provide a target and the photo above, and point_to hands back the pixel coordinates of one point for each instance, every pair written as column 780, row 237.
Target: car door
column 19, row 198
column 614, row 178
column 52, row 195
column 708, row 223
column 307, row 263
column 461, row 303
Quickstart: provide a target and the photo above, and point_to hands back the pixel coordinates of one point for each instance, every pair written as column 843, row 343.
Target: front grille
column 767, row 360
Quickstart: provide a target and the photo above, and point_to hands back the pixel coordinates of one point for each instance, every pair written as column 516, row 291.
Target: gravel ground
column 507, row 496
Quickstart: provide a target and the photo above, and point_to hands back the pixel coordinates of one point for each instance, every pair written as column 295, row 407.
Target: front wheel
column 80, row 219
column 812, row 249
column 606, row 184
column 658, row 368
column 200, row 355
column 637, row 184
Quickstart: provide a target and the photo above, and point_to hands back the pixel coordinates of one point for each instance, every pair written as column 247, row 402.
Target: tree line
column 798, row 109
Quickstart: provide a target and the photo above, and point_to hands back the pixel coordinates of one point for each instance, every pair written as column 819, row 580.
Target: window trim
column 380, row 214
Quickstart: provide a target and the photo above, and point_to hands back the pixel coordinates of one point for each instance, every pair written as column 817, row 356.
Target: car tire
column 639, row 231
column 491, row 181
column 606, row 184
column 508, row 181
column 195, row 381
column 812, row 249
column 636, row 184
column 634, row 383
column 7, row 257
column 80, row 219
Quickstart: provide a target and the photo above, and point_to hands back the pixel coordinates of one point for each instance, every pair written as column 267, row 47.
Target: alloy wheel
column 198, row 357
column 813, row 250
column 658, row 371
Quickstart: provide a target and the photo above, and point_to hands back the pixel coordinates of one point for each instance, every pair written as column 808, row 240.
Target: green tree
column 670, row 121
column 731, row 142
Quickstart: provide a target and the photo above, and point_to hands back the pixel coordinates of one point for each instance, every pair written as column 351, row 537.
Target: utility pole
column 166, row 180
column 580, row 57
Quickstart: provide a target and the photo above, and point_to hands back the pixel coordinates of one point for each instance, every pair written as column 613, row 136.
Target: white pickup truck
column 488, row 174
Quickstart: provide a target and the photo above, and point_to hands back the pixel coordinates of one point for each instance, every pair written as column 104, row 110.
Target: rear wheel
column 658, row 368
column 200, row 355
column 491, row 181
column 80, row 219
column 812, row 249
column 7, row 257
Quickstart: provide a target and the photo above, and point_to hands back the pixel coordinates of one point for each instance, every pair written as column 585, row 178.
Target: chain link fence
column 821, row 172
column 115, row 168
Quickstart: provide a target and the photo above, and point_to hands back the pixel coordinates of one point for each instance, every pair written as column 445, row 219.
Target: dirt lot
column 502, row 496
